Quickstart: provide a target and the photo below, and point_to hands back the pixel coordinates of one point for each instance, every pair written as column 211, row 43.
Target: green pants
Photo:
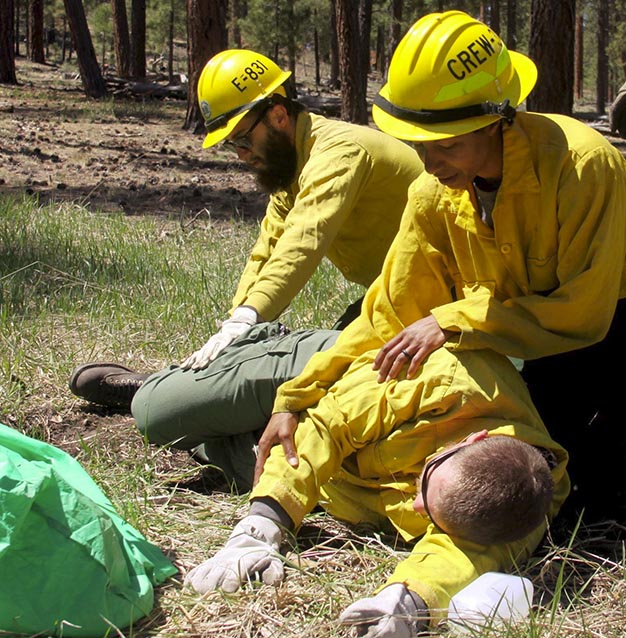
column 220, row 412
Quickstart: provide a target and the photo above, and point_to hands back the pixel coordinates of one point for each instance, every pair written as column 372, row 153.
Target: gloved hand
column 242, row 319
column 251, row 553
column 392, row 613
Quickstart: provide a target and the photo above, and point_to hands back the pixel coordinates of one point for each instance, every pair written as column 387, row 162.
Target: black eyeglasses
column 243, row 141
column 435, row 462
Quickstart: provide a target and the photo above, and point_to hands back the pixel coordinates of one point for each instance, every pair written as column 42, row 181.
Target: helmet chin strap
column 502, row 109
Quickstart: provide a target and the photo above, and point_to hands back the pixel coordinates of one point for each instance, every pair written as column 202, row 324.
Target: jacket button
column 505, row 249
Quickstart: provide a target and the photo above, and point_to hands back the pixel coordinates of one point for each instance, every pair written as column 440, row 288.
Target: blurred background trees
column 579, row 45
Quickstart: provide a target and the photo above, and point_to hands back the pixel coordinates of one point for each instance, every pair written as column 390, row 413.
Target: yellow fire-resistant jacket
column 364, row 445
column 545, row 280
column 345, row 203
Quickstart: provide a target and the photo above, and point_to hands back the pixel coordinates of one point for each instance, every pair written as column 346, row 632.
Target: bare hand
column 411, row 346
column 280, row 429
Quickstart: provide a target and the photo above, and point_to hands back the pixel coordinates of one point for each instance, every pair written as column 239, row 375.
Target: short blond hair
column 501, row 491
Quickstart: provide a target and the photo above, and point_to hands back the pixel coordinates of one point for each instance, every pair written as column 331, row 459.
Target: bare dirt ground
column 128, row 156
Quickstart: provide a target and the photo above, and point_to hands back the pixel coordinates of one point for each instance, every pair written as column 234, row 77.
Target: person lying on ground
column 456, row 459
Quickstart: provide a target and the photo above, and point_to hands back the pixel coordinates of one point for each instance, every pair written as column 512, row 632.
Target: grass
column 77, row 286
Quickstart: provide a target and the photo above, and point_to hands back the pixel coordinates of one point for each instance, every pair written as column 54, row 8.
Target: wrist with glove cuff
column 240, row 322
column 395, row 612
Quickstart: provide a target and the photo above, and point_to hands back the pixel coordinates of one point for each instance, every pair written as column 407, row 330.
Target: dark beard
column 281, row 162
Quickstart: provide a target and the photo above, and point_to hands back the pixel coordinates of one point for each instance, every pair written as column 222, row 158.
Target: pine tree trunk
column 206, row 36
column 578, row 57
column 365, row 28
column 121, row 37
column 138, row 39
column 333, row 81
column 90, row 73
column 602, row 75
column 353, row 84
column 7, row 44
column 494, row 17
column 511, row 25
column 395, row 35
column 552, row 50
column 35, row 32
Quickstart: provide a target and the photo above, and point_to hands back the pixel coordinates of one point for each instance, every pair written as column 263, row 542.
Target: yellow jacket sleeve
column 345, row 204
column 548, row 278
column 290, row 248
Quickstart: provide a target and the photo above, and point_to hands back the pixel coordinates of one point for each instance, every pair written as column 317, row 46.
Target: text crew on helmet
column 231, row 83
column 451, row 75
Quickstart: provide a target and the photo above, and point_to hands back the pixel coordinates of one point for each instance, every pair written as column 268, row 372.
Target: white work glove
column 392, row 613
column 250, row 553
column 242, row 319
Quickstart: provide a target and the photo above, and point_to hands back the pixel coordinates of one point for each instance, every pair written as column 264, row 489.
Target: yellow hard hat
column 231, row 83
column 450, row 75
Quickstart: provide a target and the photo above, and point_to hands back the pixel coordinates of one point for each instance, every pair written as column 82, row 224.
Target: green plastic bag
column 69, row 565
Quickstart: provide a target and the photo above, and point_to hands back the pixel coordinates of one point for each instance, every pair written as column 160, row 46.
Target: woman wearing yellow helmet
column 518, row 233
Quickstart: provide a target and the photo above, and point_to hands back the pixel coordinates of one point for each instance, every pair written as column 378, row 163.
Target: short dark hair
column 292, row 106
column 501, row 492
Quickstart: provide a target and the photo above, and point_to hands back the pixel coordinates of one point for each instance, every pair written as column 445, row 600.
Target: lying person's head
column 487, row 489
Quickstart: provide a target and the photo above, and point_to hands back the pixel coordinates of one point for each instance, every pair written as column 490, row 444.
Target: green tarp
column 69, row 565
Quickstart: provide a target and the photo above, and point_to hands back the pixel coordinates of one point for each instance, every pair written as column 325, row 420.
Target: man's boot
column 108, row 384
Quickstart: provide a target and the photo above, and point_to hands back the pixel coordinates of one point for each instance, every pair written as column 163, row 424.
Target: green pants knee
column 225, row 407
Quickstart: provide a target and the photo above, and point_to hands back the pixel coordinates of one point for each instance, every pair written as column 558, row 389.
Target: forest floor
column 130, row 156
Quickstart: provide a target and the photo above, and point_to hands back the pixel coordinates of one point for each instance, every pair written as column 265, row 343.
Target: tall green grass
column 77, row 286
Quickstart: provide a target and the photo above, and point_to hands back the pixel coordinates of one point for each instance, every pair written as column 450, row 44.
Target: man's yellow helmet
column 450, row 75
column 231, row 83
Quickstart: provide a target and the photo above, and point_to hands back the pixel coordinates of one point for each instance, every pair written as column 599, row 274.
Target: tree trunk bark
column 353, row 84
column 138, row 39
column 206, row 36
column 578, row 57
column 291, row 40
column 494, row 17
column 90, row 73
column 7, row 43
column 552, row 49
column 602, row 75
column 236, row 10
column 121, row 37
column 397, row 9
column 170, row 47
column 16, row 17
column 333, row 81
column 35, row 32
column 511, row 25
column 365, row 28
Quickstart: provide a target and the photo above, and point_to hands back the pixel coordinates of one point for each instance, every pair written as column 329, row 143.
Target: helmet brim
column 517, row 90
column 217, row 136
